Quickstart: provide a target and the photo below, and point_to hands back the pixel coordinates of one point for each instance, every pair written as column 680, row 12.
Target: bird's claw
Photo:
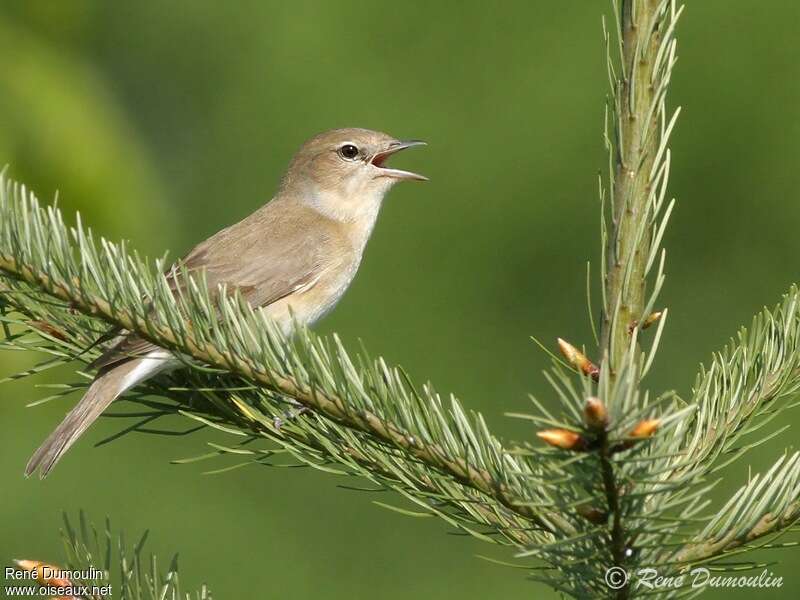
column 289, row 415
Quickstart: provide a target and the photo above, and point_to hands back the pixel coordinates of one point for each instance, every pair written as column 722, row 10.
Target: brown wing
column 266, row 257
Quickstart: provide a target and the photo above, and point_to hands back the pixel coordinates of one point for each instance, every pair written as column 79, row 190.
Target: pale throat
column 358, row 208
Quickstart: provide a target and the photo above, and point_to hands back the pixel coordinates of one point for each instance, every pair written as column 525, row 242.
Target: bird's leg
column 295, row 411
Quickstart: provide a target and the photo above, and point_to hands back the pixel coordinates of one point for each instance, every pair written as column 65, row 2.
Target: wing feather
column 266, row 257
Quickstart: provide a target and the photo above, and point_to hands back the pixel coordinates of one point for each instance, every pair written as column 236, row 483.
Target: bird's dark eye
column 348, row 151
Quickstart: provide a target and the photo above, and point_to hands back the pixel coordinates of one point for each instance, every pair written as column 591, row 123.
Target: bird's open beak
column 380, row 158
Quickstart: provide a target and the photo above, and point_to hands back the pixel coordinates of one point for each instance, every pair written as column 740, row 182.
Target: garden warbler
column 295, row 257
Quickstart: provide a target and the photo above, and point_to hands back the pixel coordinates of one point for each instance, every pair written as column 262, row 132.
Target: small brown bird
column 295, row 257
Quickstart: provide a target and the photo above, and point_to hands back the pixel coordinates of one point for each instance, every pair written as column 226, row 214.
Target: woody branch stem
column 636, row 148
column 329, row 406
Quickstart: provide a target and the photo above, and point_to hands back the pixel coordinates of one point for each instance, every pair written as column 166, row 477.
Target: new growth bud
column 641, row 431
column 644, row 429
column 652, row 320
column 578, row 359
column 592, row 514
column 563, row 438
column 649, row 321
column 48, row 329
column 595, row 413
column 44, row 573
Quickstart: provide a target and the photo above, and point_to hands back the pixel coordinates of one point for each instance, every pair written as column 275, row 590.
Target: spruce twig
column 245, row 344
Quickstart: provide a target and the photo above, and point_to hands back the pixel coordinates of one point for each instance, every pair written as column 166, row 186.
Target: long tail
column 107, row 387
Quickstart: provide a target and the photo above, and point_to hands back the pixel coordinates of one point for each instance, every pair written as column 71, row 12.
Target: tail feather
column 107, row 387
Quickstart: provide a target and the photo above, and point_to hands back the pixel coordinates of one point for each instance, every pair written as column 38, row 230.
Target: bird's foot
column 289, row 415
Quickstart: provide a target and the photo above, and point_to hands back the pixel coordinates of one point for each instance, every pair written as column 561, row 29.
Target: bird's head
column 343, row 172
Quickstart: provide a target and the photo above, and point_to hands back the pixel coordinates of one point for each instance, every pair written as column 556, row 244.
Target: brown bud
column 641, row 431
column 652, row 319
column 48, row 329
column 595, row 413
column 44, row 573
column 578, row 359
column 644, row 429
column 563, row 438
column 592, row 514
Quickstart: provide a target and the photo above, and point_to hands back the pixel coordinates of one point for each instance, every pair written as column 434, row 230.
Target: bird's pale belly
column 307, row 307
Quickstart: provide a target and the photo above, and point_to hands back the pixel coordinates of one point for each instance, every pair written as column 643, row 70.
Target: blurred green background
column 164, row 121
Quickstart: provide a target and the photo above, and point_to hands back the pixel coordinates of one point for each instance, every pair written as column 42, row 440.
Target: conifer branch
column 765, row 506
column 330, row 406
column 611, row 488
column 638, row 173
column 242, row 342
column 639, row 170
column 89, row 574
